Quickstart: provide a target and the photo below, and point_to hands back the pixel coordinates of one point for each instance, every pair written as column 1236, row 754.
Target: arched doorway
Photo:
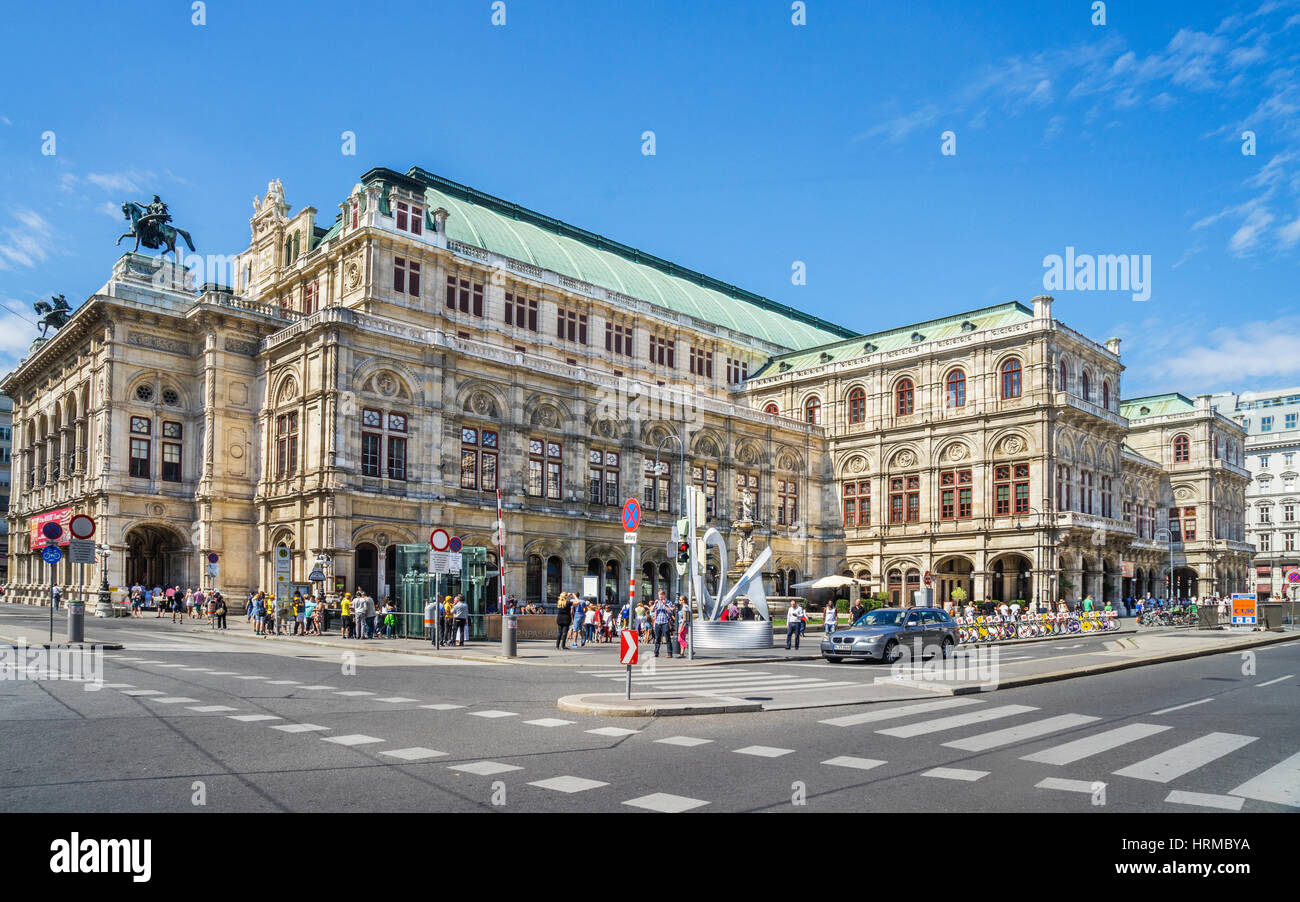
column 1011, row 579
column 533, row 579
column 375, row 569
column 554, row 578
column 157, row 556
column 1185, row 583
column 952, row 573
column 1110, row 578
column 895, row 587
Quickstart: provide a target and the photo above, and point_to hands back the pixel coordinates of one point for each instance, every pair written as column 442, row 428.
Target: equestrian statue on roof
column 149, row 226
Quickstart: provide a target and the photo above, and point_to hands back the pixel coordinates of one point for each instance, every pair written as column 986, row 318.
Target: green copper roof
column 510, row 230
column 901, row 337
column 1155, row 406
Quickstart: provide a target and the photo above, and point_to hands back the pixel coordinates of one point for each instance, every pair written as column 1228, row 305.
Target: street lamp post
column 104, row 607
column 1169, row 537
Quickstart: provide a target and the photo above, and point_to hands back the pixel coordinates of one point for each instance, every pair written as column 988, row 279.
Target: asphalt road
column 250, row 725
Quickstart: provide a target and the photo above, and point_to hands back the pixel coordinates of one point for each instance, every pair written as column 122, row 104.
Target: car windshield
column 879, row 618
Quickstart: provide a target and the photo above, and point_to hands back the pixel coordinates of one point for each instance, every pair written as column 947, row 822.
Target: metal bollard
column 510, row 635
column 76, row 621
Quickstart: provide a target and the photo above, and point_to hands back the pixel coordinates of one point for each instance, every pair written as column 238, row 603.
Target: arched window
column 1087, row 386
column 1061, row 376
column 772, row 409
column 857, row 405
column 1182, row 449
column 904, row 398
column 1105, row 394
column 1011, row 379
column 812, row 409
column 955, row 391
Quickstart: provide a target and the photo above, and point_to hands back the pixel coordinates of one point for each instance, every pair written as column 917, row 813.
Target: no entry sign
column 438, row 539
column 81, row 526
column 627, row 647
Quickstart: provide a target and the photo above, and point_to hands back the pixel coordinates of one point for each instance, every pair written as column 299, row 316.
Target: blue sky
column 774, row 143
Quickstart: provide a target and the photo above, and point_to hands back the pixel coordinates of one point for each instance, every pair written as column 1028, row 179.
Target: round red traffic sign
column 454, row 545
column 438, row 539
column 81, row 526
column 53, row 530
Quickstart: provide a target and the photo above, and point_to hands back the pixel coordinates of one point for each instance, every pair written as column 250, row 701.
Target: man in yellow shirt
column 347, row 615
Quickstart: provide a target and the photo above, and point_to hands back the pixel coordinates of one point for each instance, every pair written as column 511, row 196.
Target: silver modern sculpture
column 710, row 631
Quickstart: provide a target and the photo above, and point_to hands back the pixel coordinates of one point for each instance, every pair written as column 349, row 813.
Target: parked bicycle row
column 996, row 628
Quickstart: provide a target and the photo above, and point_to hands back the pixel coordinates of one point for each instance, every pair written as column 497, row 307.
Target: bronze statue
column 149, row 226
column 53, row 313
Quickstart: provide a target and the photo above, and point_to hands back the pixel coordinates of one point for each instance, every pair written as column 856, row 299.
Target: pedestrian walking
column 794, row 623
column 831, row 619
column 460, row 619
column 684, row 623
column 220, row 609
column 663, row 616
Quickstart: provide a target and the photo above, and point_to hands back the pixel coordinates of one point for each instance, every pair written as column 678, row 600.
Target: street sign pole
column 631, row 606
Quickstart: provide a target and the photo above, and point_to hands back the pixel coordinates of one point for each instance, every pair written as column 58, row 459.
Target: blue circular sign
column 212, row 558
column 631, row 515
column 51, row 554
column 454, row 545
column 52, row 530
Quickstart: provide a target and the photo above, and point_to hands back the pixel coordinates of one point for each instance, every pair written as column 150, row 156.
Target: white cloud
column 1055, row 126
column 1289, row 234
column 5, row 120
column 1247, row 236
column 16, row 334
column 901, row 126
column 111, row 210
column 26, row 243
column 1260, row 351
column 119, row 181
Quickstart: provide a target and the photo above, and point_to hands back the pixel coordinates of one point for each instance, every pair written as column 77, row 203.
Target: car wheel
column 946, row 648
column 832, row 660
column 893, row 651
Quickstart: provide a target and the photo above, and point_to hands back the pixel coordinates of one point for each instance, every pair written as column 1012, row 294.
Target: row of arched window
column 1085, row 386
column 1010, row 387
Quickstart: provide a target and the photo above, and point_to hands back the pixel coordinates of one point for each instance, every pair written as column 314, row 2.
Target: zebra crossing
column 1279, row 784
column 717, row 681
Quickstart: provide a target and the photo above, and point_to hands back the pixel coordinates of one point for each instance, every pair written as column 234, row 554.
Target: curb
column 101, row 646
column 578, row 704
column 1090, row 670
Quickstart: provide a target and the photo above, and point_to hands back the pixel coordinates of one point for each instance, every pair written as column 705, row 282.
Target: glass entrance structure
column 416, row 587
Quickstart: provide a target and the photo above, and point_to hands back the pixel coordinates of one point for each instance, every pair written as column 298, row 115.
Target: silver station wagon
column 887, row 634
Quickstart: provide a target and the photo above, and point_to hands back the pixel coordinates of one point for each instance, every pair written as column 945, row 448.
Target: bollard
column 76, row 621
column 509, row 635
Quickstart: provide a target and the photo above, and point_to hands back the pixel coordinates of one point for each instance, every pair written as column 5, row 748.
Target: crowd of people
column 580, row 620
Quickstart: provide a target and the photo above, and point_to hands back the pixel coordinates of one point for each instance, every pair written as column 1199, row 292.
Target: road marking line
column 173, row 700
column 957, row 720
column 484, row 768
column 549, row 722
column 819, row 686
column 1271, row 682
column 212, row 709
column 161, row 666
column 492, row 714
column 1187, row 757
column 315, row 687
column 857, row 763
column 250, row 678
column 1279, row 784
column 955, row 773
column 142, row 692
column 683, row 741
column 282, row 682
column 763, row 751
column 1205, row 800
column 224, row 673
column 253, row 718
column 992, row 740
column 397, row 700
column 352, row 739
column 568, row 784
column 1088, row 746
column 612, row 731
column 418, row 753
column 300, row 728
column 1069, row 785
column 442, row 707
column 665, row 803
column 354, row 692
column 852, row 720
column 119, row 686
column 1181, row 707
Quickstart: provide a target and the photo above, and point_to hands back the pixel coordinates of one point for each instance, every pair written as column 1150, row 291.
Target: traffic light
column 683, row 552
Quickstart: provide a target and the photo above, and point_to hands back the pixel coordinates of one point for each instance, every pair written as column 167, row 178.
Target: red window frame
column 955, row 389
column 956, row 495
column 904, row 398
column 1182, row 449
column 857, row 405
column 1011, row 387
column 812, row 410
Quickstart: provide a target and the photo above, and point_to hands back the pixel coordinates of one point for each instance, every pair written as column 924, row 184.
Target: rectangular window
column 955, row 494
column 737, row 371
column 1288, row 541
column 521, row 312
column 748, row 482
column 140, row 457
column 787, row 502
column 1265, row 424
column 1290, row 421
column 171, row 462
column 465, row 296
column 896, row 493
column 370, row 446
column 1189, row 524
column 658, row 485
column 399, row 275
column 701, row 362
column 409, row 218
column 396, row 458
column 661, row 351
column 478, row 468
column 857, row 500
column 1265, row 542
column 913, row 499
column 571, row 326
column 545, row 469
column 310, row 301
column 1012, row 482
column 618, row 339
column 286, row 445
column 706, row 480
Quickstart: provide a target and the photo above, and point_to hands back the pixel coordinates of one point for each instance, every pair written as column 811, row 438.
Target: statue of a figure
column 53, row 313
column 149, row 226
column 746, row 506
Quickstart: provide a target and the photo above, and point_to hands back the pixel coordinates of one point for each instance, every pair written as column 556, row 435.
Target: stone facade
column 360, row 384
